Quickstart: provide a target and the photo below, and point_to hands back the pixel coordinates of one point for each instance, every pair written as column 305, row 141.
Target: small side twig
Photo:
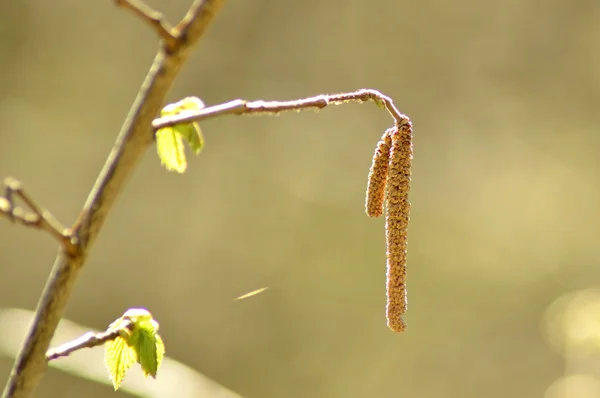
column 153, row 18
column 241, row 107
column 88, row 340
column 36, row 217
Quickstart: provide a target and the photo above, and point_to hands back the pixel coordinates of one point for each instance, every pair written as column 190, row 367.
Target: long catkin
column 378, row 176
column 396, row 224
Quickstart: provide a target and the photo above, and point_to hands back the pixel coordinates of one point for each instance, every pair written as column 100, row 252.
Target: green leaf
column 170, row 139
column 186, row 104
column 144, row 341
column 160, row 350
column 170, row 149
column 118, row 357
column 138, row 342
column 192, row 134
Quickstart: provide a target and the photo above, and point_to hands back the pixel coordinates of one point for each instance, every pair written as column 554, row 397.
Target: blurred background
column 503, row 255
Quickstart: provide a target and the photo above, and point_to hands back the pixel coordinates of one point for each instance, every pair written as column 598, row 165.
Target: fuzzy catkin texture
column 378, row 176
column 396, row 225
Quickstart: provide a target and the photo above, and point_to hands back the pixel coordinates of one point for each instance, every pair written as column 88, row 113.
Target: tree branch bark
column 242, row 107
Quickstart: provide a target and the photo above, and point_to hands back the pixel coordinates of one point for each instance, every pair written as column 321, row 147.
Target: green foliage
column 170, row 149
column 138, row 341
column 169, row 140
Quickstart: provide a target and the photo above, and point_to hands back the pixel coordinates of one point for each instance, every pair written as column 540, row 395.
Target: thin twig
column 155, row 19
column 88, row 340
column 241, row 107
column 133, row 140
column 36, row 217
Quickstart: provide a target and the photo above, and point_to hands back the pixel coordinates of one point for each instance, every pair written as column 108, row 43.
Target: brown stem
column 241, row 107
column 36, row 217
column 88, row 340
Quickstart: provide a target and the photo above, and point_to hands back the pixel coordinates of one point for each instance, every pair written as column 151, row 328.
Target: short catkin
column 396, row 223
column 378, row 176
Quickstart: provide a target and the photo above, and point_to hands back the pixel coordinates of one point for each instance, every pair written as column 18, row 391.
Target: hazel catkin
column 378, row 176
column 396, row 223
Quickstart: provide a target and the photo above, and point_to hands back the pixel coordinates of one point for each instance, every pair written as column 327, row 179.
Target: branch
column 155, row 19
column 133, row 140
column 388, row 183
column 241, row 107
column 88, row 340
column 37, row 217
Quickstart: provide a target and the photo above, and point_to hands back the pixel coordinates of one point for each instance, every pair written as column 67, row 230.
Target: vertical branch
column 396, row 227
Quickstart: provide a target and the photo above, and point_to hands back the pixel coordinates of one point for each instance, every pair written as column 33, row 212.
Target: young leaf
column 145, row 341
column 138, row 342
column 170, row 149
column 170, row 139
column 192, row 134
column 118, row 357
column 186, row 104
column 160, row 350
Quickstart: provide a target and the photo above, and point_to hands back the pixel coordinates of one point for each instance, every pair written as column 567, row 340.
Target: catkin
column 396, row 224
column 378, row 176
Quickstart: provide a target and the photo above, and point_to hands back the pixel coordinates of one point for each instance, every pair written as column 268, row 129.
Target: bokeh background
column 503, row 255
